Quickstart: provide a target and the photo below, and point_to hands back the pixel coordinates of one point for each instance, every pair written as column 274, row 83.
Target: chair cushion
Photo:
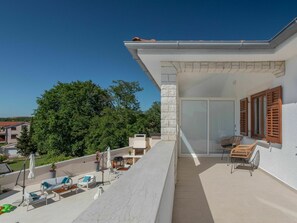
column 60, row 179
column 34, row 196
column 51, row 181
column 86, row 179
column 65, row 180
column 46, row 185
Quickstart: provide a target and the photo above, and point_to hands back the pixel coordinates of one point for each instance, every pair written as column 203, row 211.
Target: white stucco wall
column 281, row 160
column 290, row 81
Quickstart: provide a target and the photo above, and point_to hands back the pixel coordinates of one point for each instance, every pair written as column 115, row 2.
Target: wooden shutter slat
column 274, row 115
column 244, row 116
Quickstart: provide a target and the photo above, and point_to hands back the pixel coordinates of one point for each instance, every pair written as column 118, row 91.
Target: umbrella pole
column 24, row 183
column 103, row 165
column 102, row 170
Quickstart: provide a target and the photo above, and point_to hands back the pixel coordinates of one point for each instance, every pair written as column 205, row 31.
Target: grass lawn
column 17, row 163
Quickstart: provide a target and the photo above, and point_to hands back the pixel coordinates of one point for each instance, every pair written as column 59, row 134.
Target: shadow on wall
column 262, row 143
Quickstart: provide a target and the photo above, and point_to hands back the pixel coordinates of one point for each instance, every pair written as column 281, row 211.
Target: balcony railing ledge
column 145, row 193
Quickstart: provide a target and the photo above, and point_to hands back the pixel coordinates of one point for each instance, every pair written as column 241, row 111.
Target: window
column 258, row 110
column 244, row 116
column 13, row 128
column 266, row 117
column 13, row 136
column 2, row 138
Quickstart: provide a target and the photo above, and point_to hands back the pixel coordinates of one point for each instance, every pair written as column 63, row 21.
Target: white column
column 169, row 107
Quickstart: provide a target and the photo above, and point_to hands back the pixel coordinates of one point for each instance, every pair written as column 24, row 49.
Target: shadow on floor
column 41, row 204
column 8, row 193
column 53, row 199
column 190, row 202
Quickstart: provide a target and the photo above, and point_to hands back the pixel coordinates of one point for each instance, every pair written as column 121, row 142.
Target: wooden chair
column 242, row 154
column 228, row 143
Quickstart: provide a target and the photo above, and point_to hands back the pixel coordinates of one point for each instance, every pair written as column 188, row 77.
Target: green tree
column 153, row 119
column 123, row 94
column 113, row 129
column 23, row 142
column 64, row 114
column 123, row 120
column 33, row 145
column 116, row 124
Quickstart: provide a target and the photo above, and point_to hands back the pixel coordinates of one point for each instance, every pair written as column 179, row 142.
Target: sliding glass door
column 221, row 123
column 194, row 127
column 203, row 123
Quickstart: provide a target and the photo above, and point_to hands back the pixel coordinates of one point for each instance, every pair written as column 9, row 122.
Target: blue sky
column 42, row 42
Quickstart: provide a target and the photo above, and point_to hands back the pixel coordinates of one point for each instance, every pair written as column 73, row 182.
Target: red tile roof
column 138, row 39
column 5, row 124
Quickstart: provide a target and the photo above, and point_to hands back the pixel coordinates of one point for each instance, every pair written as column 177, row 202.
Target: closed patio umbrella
column 31, row 167
column 108, row 162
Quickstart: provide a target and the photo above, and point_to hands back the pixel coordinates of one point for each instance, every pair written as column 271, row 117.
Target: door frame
column 207, row 99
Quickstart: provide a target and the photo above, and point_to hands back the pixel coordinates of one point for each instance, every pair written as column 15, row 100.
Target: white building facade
column 213, row 89
column 10, row 131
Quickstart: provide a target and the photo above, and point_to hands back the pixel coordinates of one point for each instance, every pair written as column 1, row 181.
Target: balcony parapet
column 145, row 193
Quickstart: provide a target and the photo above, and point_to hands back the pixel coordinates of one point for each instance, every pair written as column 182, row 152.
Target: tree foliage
column 79, row 117
column 123, row 94
column 23, row 142
column 112, row 129
column 63, row 117
column 116, row 124
column 153, row 118
column 33, row 145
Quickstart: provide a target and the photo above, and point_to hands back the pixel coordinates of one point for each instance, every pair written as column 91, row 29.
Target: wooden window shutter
column 244, row 116
column 274, row 115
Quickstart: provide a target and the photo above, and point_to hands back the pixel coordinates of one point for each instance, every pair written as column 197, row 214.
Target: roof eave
column 287, row 32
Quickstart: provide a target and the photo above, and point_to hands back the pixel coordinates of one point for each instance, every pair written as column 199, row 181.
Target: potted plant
column 97, row 162
column 53, row 170
column 130, row 152
column 3, row 158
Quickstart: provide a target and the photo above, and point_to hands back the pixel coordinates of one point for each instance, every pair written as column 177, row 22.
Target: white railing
column 70, row 167
column 145, row 193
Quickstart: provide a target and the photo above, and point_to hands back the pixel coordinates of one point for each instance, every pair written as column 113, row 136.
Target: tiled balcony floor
column 209, row 193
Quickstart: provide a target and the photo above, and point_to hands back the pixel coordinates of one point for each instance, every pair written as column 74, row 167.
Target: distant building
column 10, row 131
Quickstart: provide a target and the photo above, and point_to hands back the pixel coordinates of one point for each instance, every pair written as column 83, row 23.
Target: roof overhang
column 150, row 55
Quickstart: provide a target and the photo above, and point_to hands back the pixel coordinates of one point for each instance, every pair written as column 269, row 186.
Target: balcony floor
column 209, row 193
